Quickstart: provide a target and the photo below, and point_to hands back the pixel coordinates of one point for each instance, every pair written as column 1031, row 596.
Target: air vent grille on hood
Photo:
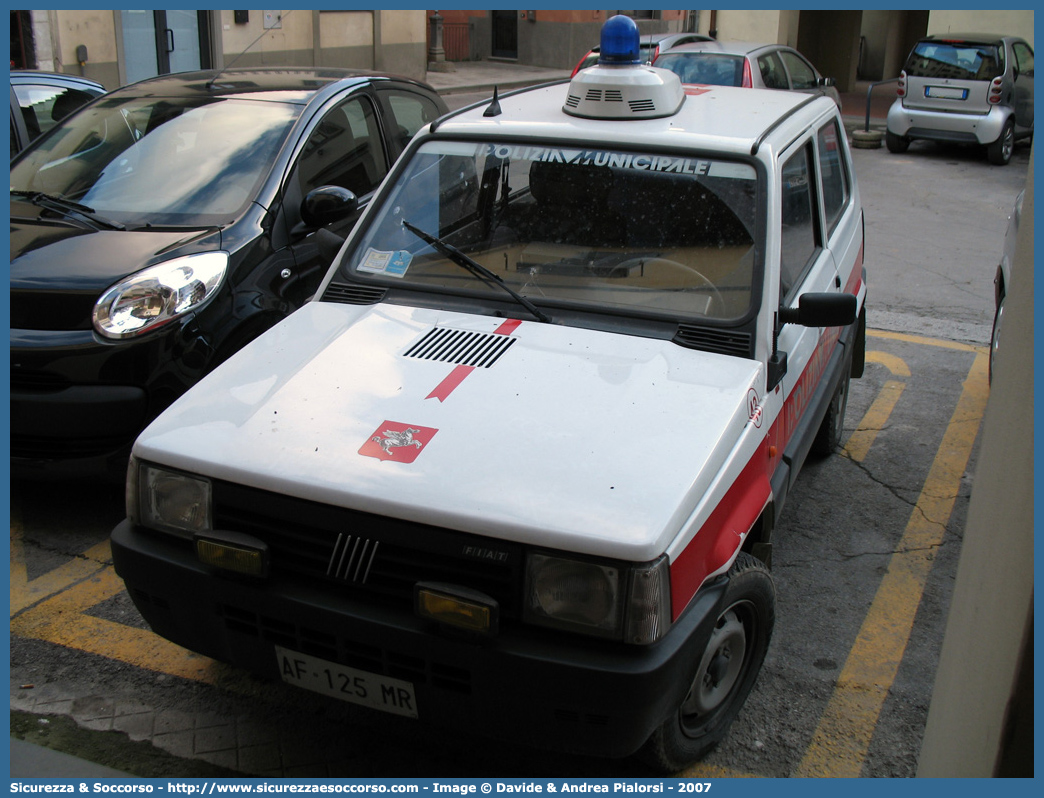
column 461, row 348
column 353, row 294
column 725, row 342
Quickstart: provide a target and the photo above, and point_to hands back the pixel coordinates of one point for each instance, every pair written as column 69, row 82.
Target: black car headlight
column 617, row 601
column 170, row 501
column 159, row 294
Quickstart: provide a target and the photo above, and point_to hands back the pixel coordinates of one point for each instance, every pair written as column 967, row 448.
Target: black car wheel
column 998, row 317
column 828, row 438
column 897, row 144
column 725, row 673
column 999, row 152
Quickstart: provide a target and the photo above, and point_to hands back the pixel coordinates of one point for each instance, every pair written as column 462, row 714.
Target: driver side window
column 344, row 150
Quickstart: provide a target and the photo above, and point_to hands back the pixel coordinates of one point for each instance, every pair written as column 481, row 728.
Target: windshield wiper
column 475, row 268
column 53, row 202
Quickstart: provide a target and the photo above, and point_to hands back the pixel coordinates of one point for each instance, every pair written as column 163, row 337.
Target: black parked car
column 39, row 100
column 168, row 224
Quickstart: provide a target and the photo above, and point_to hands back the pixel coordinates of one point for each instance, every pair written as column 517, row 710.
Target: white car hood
column 573, row 439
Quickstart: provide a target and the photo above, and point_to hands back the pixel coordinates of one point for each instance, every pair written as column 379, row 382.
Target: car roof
column 293, row 84
column 722, row 118
column 725, row 47
column 654, row 38
column 976, row 38
column 39, row 76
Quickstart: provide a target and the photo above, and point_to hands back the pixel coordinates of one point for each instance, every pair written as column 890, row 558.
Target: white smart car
column 517, row 467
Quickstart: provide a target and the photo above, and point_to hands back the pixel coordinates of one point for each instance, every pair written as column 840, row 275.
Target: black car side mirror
column 821, row 310
column 827, row 81
column 328, row 204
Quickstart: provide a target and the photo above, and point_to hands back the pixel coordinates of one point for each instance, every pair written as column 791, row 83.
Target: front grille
column 380, row 557
column 51, row 310
column 37, row 447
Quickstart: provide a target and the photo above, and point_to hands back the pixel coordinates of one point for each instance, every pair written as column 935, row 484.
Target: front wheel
column 725, row 673
column 999, row 152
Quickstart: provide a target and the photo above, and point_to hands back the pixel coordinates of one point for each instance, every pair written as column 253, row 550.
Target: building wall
column 557, row 39
column 1012, row 23
column 387, row 40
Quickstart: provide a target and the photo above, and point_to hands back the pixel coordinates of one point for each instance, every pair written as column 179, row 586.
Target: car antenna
column 210, row 83
column 494, row 107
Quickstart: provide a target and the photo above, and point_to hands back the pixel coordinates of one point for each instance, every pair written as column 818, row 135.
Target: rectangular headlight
column 629, row 603
column 173, row 501
column 579, row 595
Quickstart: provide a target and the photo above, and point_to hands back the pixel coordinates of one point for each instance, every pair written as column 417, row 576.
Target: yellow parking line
column 26, row 592
column 925, row 341
column 64, row 619
column 860, row 441
column 841, row 741
column 862, row 438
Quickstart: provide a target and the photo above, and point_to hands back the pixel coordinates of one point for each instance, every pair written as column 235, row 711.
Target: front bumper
column 526, row 686
column 77, row 399
column 918, row 123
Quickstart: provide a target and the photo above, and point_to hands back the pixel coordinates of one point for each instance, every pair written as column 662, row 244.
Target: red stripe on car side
column 723, row 532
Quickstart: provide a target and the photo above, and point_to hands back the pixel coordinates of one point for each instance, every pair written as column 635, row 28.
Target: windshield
column 160, row 161
column 712, row 69
column 957, row 60
column 623, row 231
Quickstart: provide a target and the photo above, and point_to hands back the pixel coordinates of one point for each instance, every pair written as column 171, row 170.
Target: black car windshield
column 712, row 69
column 956, row 60
column 622, row 231
column 156, row 160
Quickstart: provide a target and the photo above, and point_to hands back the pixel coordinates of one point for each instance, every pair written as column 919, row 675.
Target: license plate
column 346, row 684
column 946, row 93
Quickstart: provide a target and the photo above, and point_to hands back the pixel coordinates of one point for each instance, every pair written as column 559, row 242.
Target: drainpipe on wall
column 713, row 25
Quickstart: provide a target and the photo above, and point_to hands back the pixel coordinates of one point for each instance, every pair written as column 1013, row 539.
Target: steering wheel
column 715, row 295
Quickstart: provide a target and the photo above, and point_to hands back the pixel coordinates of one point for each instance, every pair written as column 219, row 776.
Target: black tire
column 725, row 674
column 999, row 152
column 998, row 317
column 828, row 438
column 897, row 144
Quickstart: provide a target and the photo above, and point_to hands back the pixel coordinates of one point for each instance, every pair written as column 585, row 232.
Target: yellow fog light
column 231, row 551
column 458, row 607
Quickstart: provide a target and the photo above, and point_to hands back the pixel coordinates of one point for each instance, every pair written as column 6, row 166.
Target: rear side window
column 802, row 76
column 957, row 60
column 772, row 72
column 798, row 235
column 1023, row 59
column 411, row 112
column 833, row 172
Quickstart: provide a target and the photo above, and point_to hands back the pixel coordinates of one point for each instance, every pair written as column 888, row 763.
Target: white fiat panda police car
column 516, row 468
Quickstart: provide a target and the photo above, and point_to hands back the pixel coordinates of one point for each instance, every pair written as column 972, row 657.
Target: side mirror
column 328, row 204
column 827, row 81
column 821, row 310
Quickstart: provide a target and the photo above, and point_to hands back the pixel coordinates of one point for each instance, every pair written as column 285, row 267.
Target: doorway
column 160, row 42
column 505, row 34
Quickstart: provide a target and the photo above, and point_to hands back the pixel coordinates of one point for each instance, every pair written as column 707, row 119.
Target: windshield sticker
column 393, row 440
column 617, row 160
column 392, row 264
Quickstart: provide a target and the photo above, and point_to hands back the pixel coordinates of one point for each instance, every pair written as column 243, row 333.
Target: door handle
column 170, row 40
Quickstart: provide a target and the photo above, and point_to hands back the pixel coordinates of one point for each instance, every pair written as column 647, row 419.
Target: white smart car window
column 659, row 233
